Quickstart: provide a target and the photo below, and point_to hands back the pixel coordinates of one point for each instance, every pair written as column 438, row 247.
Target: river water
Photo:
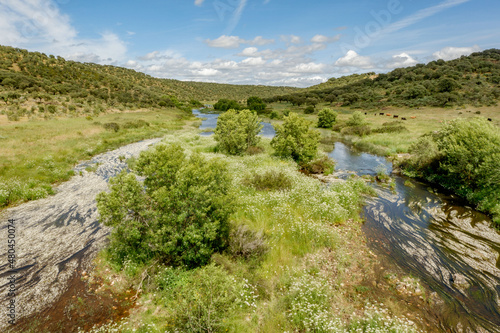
column 210, row 122
column 452, row 248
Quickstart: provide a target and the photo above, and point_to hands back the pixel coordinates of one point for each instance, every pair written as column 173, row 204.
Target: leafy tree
column 296, row 139
column 179, row 216
column 226, row 104
column 326, row 118
column 256, row 104
column 357, row 119
column 237, row 131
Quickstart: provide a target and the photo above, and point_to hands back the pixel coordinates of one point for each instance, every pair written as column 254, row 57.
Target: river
column 435, row 236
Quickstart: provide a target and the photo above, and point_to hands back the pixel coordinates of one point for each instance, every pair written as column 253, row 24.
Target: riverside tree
column 326, row 118
column 296, row 139
column 178, row 216
column 237, row 131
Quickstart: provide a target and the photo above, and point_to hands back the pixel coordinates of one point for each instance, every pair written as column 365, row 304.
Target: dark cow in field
column 403, row 118
column 489, row 119
column 395, row 116
column 366, row 113
column 381, row 113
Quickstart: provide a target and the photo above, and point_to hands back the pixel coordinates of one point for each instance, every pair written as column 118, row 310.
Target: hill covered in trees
column 55, row 85
column 472, row 80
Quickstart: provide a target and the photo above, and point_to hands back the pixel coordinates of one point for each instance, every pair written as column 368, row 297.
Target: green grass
column 37, row 154
column 314, row 246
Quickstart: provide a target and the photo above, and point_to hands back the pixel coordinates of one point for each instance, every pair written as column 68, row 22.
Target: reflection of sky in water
column 361, row 163
column 210, row 121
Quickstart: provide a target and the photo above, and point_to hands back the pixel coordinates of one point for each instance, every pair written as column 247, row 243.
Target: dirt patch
column 83, row 305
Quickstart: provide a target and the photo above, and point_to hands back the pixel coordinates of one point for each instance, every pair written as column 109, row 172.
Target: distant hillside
column 60, row 86
column 472, row 80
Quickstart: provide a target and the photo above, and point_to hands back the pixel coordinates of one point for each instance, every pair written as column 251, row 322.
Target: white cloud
column 233, row 42
column 40, row 25
column 206, row 72
column 450, row 53
column 198, row 2
column 325, row 39
column 291, row 39
column 401, row 60
column 352, row 59
column 309, row 68
column 249, row 52
column 254, row 61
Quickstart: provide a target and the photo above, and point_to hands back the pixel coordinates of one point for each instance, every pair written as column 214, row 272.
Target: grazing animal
column 388, row 114
column 413, row 117
column 489, row 119
column 374, row 114
column 395, row 116
column 403, row 118
column 381, row 113
column 366, row 113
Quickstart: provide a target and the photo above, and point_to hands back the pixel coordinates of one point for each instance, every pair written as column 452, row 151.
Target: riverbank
column 38, row 154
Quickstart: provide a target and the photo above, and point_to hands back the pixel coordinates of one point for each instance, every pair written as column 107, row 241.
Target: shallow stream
column 450, row 247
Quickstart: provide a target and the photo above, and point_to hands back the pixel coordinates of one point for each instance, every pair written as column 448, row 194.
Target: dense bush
column 295, row 139
column 237, row 131
column 462, row 156
column 324, row 165
column 111, row 126
column 226, row 104
column 361, row 130
column 326, row 118
column 357, row 119
column 179, row 216
column 271, row 180
column 256, row 104
column 309, row 109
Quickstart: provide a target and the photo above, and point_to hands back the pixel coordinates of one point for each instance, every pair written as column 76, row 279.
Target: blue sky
column 272, row 42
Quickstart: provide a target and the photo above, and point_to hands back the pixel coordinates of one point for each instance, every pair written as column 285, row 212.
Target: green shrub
column 111, row 126
column 236, row 131
column 180, row 215
column 357, row 119
column 463, row 156
column 324, row 165
column 295, row 139
column 309, row 109
column 326, row 118
column 246, row 243
column 270, row 180
column 136, row 124
column 361, row 130
column 203, row 301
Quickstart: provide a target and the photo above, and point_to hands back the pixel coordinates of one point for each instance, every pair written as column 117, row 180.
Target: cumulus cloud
column 353, row 59
column 325, row 39
column 291, row 39
column 233, row 42
column 450, row 53
column 40, row 25
column 401, row 60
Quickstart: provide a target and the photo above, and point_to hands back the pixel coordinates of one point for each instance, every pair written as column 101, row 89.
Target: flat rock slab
column 56, row 235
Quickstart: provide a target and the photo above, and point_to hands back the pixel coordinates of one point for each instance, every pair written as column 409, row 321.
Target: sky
column 269, row 42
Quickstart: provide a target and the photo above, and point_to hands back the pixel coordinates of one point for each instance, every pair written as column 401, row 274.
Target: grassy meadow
column 297, row 262
column 427, row 119
column 37, row 153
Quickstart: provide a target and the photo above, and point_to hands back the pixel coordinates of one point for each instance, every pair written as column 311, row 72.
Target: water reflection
column 451, row 247
column 210, row 121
